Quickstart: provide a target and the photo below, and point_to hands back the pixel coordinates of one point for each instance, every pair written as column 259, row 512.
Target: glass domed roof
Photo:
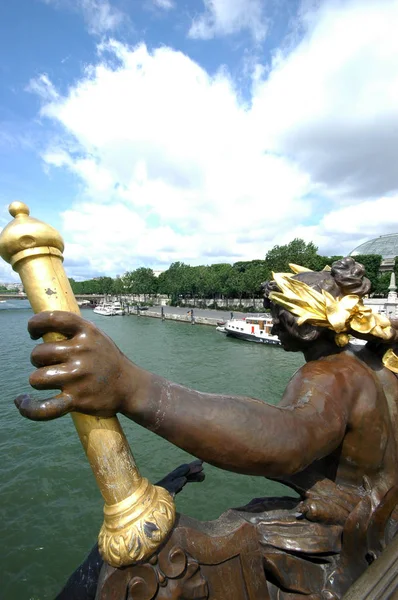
column 386, row 245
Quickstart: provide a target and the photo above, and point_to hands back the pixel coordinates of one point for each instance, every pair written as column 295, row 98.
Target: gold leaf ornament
column 342, row 315
column 390, row 360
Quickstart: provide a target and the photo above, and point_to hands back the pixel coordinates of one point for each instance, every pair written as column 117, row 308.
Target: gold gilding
column 390, row 360
column 338, row 314
column 138, row 515
column 151, row 508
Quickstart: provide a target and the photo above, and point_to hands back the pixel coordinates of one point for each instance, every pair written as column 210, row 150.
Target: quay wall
column 199, row 320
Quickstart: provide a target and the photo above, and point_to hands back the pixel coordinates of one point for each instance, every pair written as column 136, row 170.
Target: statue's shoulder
column 316, row 378
column 326, row 365
column 328, row 371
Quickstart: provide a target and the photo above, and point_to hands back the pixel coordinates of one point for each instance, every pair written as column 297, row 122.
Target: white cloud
column 172, row 145
column 365, row 219
column 43, row 87
column 174, row 166
column 342, row 229
column 100, row 15
column 164, row 4
column 334, row 99
column 225, row 17
column 7, row 275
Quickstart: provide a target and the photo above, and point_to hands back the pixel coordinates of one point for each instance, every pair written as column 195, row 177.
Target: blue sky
column 149, row 131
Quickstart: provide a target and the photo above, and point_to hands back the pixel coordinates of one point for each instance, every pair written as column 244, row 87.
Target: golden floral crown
column 342, row 315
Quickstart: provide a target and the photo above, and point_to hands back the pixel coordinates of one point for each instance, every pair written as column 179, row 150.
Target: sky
column 202, row 131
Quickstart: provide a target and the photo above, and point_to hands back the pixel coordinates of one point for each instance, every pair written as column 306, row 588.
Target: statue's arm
column 243, row 434
column 235, row 433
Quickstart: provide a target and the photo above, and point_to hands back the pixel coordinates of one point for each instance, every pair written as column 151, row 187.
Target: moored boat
column 109, row 309
column 252, row 329
column 357, row 342
column 85, row 304
column 258, row 329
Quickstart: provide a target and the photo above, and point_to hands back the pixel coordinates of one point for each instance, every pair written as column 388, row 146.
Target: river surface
column 51, row 508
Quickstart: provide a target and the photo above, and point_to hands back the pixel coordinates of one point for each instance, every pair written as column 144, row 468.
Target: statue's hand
column 87, row 367
column 186, row 473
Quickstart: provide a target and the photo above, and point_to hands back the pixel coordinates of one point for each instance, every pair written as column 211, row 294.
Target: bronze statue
column 332, row 438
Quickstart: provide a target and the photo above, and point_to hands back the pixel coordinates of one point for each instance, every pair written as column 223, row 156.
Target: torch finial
column 18, row 208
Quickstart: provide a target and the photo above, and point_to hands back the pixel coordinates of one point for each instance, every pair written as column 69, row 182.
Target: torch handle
column 47, row 288
column 138, row 515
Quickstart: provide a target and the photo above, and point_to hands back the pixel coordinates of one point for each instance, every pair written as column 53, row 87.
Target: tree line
column 11, row 290
column 239, row 280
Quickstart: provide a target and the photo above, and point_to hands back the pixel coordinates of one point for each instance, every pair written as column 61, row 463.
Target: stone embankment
column 194, row 316
column 187, row 318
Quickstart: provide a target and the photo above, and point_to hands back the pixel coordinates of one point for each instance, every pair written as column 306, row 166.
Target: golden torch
column 138, row 516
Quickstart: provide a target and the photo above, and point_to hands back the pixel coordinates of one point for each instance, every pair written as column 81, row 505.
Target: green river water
column 51, row 508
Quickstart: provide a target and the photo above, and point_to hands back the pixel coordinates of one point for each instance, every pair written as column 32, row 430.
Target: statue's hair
column 345, row 277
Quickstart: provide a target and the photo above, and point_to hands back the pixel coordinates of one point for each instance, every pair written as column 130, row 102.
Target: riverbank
column 199, row 316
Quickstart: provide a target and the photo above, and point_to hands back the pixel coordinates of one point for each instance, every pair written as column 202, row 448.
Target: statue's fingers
column 50, row 353
column 196, row 473
column 196, row 477
column 66, row 323
column 172, row 485
column 180, row 471
column 54, row 377
column 43, row 410
column 196, row 466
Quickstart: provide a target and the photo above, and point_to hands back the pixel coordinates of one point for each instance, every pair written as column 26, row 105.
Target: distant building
column 13, row 286
column 385, row 245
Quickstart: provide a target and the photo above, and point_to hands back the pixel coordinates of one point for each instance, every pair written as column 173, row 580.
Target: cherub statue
column 332, row 438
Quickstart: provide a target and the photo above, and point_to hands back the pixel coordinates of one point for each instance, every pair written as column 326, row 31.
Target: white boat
column 258, row 329
column 221, row 326
column 85, row 304
column 252, row 329
column 357, row 342
column 109, row 309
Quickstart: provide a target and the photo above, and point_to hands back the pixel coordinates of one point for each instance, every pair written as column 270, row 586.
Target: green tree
column 118, row 287
column 218, row 277
column 142, row 281
column 163, row 287
column 254, row 276
column 127, row 281
column 206, row 283
column 381, row 285
column 331, row 259
column 298, row 252
column 189, row 284
column 175, row 281
column 105, row 284
column 236, row 284
column 78, row 287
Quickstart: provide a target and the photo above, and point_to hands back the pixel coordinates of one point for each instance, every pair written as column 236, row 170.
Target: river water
column 51, row 509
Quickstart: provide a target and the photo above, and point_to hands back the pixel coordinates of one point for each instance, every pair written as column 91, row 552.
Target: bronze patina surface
column 333, row 438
